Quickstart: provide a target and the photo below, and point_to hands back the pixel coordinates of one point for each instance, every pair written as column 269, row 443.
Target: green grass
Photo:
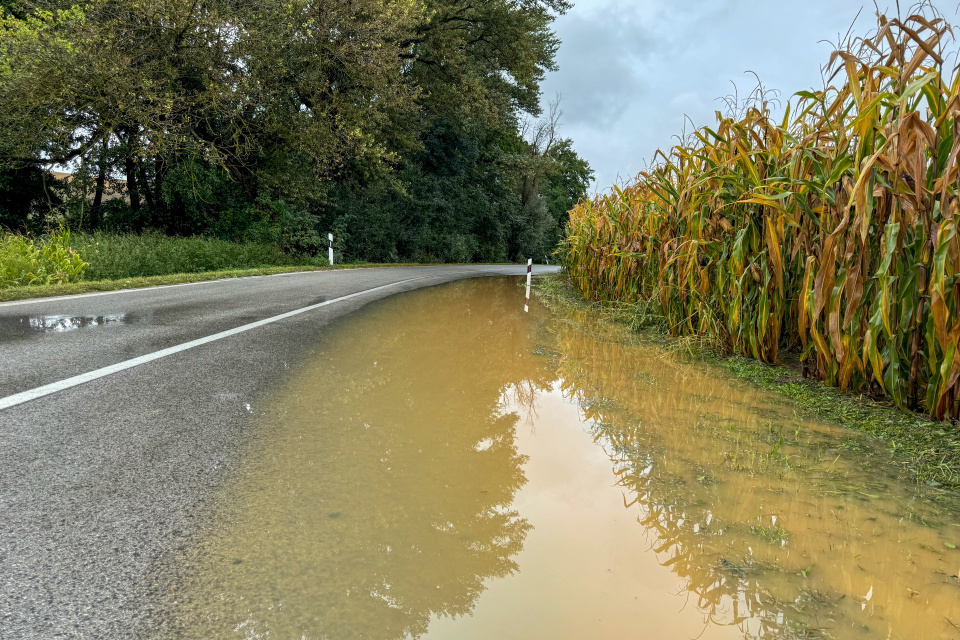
column 774, row 534
column 119, row 256
column 927, row 449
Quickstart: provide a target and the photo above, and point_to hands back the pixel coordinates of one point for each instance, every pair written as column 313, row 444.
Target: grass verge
column 114, row 256
column 927, row 449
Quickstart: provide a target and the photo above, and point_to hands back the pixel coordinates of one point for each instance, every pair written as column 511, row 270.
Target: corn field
column 832, row 230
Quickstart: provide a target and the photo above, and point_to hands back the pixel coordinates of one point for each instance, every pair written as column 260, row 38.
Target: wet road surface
column 447, row 467
column 100, row 481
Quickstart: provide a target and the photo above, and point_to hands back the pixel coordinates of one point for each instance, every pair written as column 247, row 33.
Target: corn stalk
column 833, row 230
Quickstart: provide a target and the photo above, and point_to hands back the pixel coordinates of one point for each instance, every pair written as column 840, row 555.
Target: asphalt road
column 99, row 480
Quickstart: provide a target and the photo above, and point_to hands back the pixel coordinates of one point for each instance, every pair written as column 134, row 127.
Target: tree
column 27, row 193
column 237, row 118
column 484, row 58
column 463, row 194
column 566, row 182
column 220, row 80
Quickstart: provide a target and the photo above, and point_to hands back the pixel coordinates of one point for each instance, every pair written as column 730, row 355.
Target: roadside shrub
column 299, row 233
column 113, row 256
column 116, row 216
column 26, row 262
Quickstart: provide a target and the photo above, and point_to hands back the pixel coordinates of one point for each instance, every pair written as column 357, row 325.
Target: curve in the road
column 60, row 385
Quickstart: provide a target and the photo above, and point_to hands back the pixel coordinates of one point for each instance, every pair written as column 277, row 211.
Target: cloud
column 601, row 58
column 631, row 72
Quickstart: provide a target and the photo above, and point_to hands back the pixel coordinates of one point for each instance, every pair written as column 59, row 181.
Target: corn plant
column 832, row 229
column 26, row 262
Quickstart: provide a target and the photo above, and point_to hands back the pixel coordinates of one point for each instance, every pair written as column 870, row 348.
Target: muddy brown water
column 444, row 466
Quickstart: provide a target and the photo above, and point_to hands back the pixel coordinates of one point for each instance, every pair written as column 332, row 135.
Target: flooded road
column 443, row 466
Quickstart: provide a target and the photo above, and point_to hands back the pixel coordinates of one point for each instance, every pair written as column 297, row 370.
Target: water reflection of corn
column 787, row 540
column 834, row 229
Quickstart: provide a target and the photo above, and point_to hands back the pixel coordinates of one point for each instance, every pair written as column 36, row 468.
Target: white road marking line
column 47, row 389
column 93, row 294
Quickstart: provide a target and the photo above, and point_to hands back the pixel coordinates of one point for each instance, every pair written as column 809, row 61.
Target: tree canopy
column 397, row 123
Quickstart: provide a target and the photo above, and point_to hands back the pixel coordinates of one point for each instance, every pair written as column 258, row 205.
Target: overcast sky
column 631, row 69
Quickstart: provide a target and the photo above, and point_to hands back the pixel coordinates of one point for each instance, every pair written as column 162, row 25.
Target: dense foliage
column 398, row 124
column 834, row 230
column 114, row 256
column 27, row 262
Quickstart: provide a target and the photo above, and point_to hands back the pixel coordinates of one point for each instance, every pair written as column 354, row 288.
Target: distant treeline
column 409, row 128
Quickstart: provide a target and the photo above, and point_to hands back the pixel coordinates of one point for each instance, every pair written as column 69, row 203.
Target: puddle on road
column 445, row 466
column 20, row 326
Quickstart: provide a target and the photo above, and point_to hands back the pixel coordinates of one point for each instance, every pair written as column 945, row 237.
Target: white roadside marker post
column 526, row 307
column 330, row 251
